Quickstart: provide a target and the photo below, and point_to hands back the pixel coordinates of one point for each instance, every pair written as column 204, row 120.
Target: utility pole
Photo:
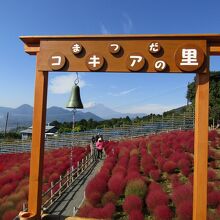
column 6, row 123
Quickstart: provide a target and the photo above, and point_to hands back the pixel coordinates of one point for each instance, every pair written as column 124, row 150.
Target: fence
column 57, row 189
column 184, row 121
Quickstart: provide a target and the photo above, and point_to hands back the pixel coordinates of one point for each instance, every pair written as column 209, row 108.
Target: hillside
column 22, row 116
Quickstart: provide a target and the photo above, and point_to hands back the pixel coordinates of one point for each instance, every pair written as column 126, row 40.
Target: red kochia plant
column 182, row 163
column 156, row 198
column 218, row 210
column 211, row 175
column 176, row 156
column 155, row 186
column 133, row 175
column 175, row 181
column 95, row 189
column 108, row 164
column 108, row 210
column 105, row 212
column 213, row 135
column 211, row 186
column 84, row 210
column 136, row 215
column 182, row 193
column 94, row 198
column 213, row 199
column 9, row 215
column 104, row 175
column 6, row 206
column 169, row 166
column 119, row 169
column 16, row 197
column 96, row 184
column 7, row 189
column 109, row 197
column 116, row 184
column 54, row 177
column 184, row 210
column 186, row 171
column 162, row 212
column 4, row 179
column 155, row 174
column 147, row 163
column 132, row 202
column 160, row 161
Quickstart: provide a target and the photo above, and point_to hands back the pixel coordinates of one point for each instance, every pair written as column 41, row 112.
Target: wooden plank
column 37, row 151
column 201, row 147
column 32, row 41
column 36, row 39
column 214, row 50
column 120, row 62
column 31, row 49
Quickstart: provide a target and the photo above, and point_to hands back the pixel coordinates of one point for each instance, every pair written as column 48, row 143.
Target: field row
column 14, row 176
column 152, row 178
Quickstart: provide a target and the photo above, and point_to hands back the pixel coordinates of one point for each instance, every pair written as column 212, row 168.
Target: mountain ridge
column 22, row 116
column 107, row 113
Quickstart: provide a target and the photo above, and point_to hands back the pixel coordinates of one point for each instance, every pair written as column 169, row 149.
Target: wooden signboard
column 133, row 55
column 123, row 53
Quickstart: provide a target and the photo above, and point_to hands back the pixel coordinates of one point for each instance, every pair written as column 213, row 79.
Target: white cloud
column 125, row 92
column 149, row 108
column 104, row 30
column 89, row 104
column 63, row 84
column 127, row 23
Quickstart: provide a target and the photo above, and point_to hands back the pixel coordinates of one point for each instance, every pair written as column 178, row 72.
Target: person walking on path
column 93, row 147
column 99, row 147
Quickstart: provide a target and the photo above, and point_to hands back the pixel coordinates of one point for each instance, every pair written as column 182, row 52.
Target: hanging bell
column 75, row 100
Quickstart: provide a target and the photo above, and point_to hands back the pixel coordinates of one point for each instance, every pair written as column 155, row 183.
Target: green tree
column 214, row 96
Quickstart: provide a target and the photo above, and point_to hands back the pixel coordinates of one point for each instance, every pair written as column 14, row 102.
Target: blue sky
column 139, row 92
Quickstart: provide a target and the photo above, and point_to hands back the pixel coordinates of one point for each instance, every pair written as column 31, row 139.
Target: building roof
column 48, row 128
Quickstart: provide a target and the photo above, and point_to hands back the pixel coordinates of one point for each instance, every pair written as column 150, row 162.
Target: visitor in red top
column 100, row 146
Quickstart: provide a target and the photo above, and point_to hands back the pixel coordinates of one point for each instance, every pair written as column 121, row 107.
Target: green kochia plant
column 136, row 187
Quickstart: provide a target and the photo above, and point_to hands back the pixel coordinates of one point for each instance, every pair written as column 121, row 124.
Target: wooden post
column 71, row 174
column 51, row 192
column 60, row 185
column 201, row 147
column 83, row 164
column 68, row 177
column 37, row 150
column 78, row 164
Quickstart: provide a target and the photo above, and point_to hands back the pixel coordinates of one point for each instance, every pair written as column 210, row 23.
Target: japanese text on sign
column 153, row 57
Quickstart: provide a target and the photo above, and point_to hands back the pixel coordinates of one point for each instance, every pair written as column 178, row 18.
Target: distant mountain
column 23, row 109
column 107, row 113
column 22, row 116
column 102, row 111
column 61, row 115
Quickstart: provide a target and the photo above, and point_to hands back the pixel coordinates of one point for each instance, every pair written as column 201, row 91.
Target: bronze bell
column 75, row 100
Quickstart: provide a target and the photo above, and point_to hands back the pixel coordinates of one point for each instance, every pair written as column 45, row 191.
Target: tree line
column 90, row 124
column 214, row 111
column 214, row 96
